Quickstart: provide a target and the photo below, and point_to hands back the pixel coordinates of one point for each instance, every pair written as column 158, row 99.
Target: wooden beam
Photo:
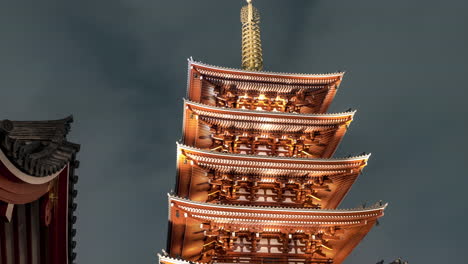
column 6, row 211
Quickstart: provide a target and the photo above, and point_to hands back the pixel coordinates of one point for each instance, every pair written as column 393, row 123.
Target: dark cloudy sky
column 119, row 66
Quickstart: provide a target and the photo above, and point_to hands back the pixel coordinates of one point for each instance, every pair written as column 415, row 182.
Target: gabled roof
column 37, row 148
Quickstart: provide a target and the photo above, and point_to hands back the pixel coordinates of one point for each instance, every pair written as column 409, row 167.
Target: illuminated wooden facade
column 264, row 133
column 265, row 181
column 225, row 233
column 291, row 93
column 37, row 192
column 256, row 182
column 256, row 178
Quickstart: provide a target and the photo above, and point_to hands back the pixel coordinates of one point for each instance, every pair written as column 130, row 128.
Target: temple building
column 257, row 181
column 37, row 178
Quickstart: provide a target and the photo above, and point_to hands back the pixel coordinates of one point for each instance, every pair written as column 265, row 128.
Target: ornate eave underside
column 304, row 93
column 267, row 215
column 275, row 165
column 38, row 148
column 264, row 133
column 227, row 117
column 220, row 232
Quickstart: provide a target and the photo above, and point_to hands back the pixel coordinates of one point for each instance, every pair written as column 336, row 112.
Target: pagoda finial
column 252, row 58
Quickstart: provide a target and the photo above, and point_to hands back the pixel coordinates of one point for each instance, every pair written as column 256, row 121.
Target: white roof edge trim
column 279, row 74
column 31, row 179
column 280, row 209
column 268, row 113
column 355, row 158
column 176, row 260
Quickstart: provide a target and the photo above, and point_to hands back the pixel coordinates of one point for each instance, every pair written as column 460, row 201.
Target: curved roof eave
column 338, row 74
column 36, row 149
column 375, row 208
column 364, row 157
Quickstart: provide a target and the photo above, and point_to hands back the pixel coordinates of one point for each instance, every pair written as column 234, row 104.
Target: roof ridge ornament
column 252, row 58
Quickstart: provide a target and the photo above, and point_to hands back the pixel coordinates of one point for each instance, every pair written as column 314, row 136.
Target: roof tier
column 289, row 181
column 315, row 135
column 305, row 93
column 38, row 148
column 229, row 232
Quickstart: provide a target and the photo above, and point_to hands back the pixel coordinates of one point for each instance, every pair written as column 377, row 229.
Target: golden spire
column 252, row 58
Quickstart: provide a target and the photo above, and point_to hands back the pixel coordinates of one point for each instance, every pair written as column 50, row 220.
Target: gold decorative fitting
column 252, row 58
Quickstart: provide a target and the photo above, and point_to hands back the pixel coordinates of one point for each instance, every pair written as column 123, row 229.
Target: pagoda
column 37, row 192
column 256, row 178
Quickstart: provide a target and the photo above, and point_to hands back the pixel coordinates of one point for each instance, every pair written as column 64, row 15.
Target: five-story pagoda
column 256, row 181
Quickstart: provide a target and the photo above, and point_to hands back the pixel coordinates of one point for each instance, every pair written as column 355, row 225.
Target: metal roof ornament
column 252, row 58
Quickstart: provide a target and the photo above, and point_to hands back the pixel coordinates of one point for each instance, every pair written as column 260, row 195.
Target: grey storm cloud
column 120, row 68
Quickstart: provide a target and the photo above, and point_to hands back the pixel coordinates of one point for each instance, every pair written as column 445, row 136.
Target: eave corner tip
column 69, row 118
